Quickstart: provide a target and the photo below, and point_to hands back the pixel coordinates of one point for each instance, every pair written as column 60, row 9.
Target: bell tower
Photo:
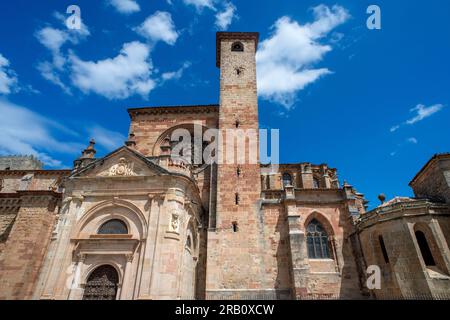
column 235, row 264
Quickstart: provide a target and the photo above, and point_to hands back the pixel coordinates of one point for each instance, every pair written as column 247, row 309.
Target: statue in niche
column 174, row 222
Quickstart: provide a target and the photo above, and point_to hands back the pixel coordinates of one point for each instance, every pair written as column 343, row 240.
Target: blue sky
column 372, row 103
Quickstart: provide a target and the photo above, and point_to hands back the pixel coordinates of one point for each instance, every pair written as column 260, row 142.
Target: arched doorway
column 102, row 284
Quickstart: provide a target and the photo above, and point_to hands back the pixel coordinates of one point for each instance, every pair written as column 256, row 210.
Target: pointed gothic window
column 114, row 226
column 317, row 241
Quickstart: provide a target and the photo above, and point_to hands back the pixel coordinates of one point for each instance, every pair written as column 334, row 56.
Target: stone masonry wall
column 20, row 163
column 148, row 126
column 434, row 182
column 235, row 254
column 9, row 206
column 26, row 246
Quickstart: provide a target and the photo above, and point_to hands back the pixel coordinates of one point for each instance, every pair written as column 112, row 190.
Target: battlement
column 20, row 162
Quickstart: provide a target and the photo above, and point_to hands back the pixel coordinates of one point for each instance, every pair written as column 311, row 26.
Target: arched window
column 237, row 46
column 102, row 284
column 425, row 249
column 316, row 183
column 114, row 226
column 317, row 241
column 383, row 249
column 287, row 179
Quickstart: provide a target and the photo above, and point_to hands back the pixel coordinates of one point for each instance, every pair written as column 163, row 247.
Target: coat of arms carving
column 122, row 168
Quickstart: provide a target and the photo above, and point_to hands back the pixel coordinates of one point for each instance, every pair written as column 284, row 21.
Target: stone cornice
column 158, row 110
column 63, row 172
column 402, row 210
column 278, row 196
column 39, row 193
column 9, row 205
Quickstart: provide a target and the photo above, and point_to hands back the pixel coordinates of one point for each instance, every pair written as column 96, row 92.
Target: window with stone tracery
column 317, row 241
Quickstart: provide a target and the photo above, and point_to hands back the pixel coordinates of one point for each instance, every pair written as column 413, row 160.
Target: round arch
column 112, row 209
column 156, row 151
column 102, row 282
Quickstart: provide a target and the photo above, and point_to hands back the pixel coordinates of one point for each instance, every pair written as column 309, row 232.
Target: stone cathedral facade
column 139, row 224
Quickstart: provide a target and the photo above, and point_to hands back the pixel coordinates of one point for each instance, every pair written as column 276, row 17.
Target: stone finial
column 346, row 184
column 89, row 152
column 381, row 197
column 87, row 156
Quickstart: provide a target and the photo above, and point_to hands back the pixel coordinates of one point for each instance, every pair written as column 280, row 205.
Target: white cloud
column 285, row 59
column 159, row 26
column 108, row 139
column 421, row 112
column 225, row 18
column 116, row 78
column 54, row 39
column 24, row 132
column 49, row 72
column 412, row 140
column 8, row 78
column 129, row 73
column 175, row 75
column 125, row 6
column 200, row 4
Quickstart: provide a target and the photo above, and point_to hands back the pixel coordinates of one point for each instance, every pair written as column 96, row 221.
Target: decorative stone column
column 75, row 283
column 127, row 287
column 57, row 261
column 150, row 246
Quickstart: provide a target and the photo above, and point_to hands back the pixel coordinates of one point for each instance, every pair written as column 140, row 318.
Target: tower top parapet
column 243, row 36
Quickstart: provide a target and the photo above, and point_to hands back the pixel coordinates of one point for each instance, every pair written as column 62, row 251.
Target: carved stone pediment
column 123, row 162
